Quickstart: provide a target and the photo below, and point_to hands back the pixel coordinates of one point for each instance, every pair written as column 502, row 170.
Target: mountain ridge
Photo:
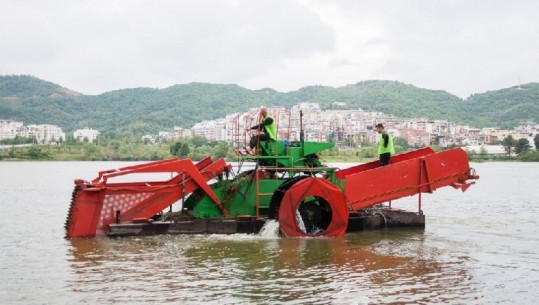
column 146, row 110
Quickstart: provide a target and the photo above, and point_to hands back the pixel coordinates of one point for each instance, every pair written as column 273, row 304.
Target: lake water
column 478, row 247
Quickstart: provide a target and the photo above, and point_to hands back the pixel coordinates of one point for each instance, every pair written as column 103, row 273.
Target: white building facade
column 87, row 133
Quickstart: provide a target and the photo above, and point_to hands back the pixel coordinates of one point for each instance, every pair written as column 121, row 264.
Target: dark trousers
column 261, row 137
column 384, row 159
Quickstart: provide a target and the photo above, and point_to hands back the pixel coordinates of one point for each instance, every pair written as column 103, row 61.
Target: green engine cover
column 237, row 196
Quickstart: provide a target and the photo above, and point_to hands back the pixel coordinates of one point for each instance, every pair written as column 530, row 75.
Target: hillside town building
column 350, row 128
column 86, row 134
column 347, row 128
column 10, row 129
column 42, row 134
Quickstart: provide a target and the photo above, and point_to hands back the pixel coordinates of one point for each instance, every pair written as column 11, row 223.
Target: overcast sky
column 92, row 47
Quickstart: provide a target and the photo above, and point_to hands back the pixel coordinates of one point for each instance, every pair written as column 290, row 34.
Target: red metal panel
column 383, row 184
column 153, row 205
column 374, row 164
column 447, row 167
column 405, row 178
column 85, row 213
column 95, row 205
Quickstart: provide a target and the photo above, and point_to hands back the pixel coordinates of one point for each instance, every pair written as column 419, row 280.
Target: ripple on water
column 479, row 247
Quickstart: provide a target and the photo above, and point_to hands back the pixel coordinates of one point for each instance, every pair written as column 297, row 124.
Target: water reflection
column 360, row 268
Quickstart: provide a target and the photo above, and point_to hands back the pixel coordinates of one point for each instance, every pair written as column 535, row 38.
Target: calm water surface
column 479, row 247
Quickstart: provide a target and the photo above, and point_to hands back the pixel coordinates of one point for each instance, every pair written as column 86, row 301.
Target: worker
column 385, row 145
column 267, row 128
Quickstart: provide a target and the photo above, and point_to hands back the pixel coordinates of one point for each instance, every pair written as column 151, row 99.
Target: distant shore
column 118, row 151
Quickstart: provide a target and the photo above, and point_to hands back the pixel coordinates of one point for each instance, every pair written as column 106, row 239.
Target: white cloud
column 89, row 46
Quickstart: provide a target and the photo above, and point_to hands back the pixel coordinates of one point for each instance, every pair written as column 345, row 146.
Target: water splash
column 300, row 222
column 270, row 229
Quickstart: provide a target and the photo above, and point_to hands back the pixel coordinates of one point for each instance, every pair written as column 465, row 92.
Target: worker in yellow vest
column 267, row 128
column 385, row 145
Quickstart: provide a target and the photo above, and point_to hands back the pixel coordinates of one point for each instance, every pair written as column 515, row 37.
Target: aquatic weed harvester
column 285, row 181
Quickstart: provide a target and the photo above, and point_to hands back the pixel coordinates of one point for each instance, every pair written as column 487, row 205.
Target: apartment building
column 87, row 134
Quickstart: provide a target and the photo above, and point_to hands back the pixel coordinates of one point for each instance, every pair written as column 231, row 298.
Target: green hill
column 505, row 107
column 145, row 110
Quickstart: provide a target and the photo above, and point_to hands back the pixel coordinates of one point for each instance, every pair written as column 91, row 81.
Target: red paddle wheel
column 313, row 207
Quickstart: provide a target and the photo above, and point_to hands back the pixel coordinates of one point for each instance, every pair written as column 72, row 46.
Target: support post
column 421, row 165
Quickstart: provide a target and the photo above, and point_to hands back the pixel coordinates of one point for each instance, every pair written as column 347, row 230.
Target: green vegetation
column 123, row 116
column 515, row 150
column 140, row 111
column 503, row 108
column 117, row 150
column 195, row 148
column 519, row 146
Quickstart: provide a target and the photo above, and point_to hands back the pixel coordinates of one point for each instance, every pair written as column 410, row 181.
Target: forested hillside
column 144, row 110
column 505, row 107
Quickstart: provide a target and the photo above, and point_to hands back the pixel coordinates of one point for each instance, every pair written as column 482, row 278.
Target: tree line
column 134, row 148
column 521, row 148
